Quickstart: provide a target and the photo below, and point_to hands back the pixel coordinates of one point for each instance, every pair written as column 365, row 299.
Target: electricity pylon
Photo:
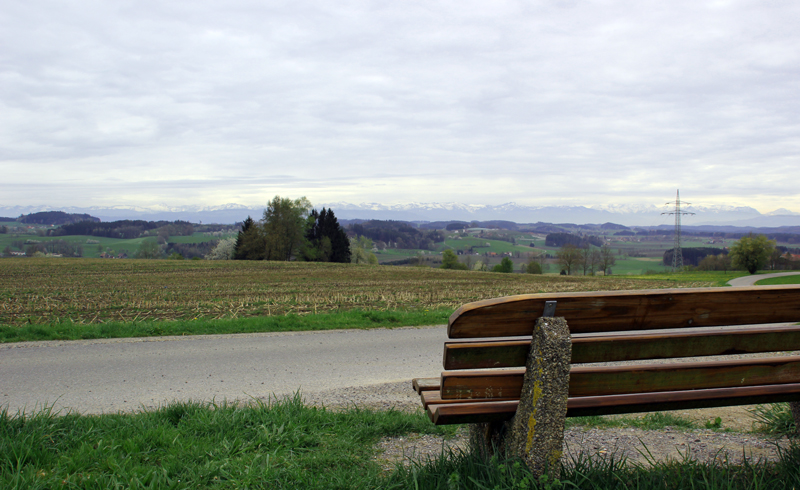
column 677, row 254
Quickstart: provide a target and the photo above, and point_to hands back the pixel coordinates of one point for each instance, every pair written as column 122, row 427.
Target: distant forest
column 126, row 229
column 561, row 239
column 52, row 218
column 693, row 255
column 396, row 234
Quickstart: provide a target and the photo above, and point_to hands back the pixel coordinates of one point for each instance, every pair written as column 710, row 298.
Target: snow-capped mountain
column 624, row 214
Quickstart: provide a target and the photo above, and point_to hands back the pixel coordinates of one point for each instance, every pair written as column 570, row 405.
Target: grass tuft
column 275, row 444
column 775, row 418
column 650, row 421
column 461, row 470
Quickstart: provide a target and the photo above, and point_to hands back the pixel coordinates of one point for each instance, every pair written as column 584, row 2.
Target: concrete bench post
column 536, row 433
column 795, row 406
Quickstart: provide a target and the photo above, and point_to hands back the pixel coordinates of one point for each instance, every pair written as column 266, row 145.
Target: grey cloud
column 581, row 102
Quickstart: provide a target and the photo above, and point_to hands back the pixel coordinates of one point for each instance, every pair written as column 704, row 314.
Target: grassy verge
column 465, row 471
column 195, row 445
column 68, row 330
column 713, row 278
column 650, row 421
column 285, row 444
column 779, row 280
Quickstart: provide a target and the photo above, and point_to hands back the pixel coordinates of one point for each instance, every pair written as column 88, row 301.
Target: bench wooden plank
column 629, row 346
column 608, row 380
column 632, row 378
column 627, row 310
column 425, row 384
column 461, row 413
column 472, row 413
column 434, row 397
column 682, row 400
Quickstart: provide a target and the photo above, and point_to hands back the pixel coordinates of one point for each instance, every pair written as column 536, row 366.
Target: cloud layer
column 556, row 102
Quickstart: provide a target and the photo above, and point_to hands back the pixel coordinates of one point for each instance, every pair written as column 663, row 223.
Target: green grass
column 779, row 280
column 775, row 418
column 282, row 444
column 93, row 246
column 67, row 330
column 454, row 470
column 650, row 421
column 286, row 444
column 638, row 266
column 713, row 278
column 480, row 245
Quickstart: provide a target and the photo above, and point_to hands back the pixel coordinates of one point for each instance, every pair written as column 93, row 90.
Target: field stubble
column 42, row 291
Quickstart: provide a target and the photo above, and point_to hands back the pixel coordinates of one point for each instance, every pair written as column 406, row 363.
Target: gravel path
column 636, row 445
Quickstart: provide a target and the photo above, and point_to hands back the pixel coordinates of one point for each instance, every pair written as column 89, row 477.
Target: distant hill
column 55, row 218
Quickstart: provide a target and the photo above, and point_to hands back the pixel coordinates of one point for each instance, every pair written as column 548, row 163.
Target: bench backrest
column 626, row 326
column 613, row 311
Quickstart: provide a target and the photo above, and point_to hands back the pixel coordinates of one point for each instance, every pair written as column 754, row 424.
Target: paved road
column 753, row 278
column 128, row 374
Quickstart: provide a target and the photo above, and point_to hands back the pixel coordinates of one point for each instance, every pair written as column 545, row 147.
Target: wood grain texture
column 424, row 384
column 434, row 397
column 678, row 376
column 629, row 310
column 627, row 379
column 460, row 413
column 469, row 413
column 680, row 400
column 631, row 346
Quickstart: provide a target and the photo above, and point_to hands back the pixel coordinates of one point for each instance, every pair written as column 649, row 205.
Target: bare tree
column 569, row 256
column 607, row 259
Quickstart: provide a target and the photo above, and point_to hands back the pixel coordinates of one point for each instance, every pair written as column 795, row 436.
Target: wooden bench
column 646, row 334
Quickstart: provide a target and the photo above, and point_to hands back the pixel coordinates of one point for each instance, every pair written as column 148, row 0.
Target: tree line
column 588, row 259
column 397, row 234
column 562, row 239
column 292, row 229
column 126, row 229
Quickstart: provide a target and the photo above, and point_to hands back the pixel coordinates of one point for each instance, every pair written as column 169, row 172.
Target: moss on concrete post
column 536, row 433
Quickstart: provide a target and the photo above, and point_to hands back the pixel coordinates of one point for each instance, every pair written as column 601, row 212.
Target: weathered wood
column 631, row 378
column 434, row 397
column 472, row 413
column 631, row 346
column 609, row 380
column 682, row 400
column 425, row 384
column 488, row 383
column 628, row 310
column 462, row 413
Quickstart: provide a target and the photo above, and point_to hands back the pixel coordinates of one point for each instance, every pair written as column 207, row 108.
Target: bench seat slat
column 425, row 384
column 494, row 411
column 434, row 397
column 629, row 310
column 631, row 378
column 627, row 346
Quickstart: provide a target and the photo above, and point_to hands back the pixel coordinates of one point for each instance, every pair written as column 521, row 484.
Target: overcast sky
column 541, row 103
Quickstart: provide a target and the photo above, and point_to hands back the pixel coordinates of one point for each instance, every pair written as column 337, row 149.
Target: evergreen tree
column 327, row 240
column 249, row 242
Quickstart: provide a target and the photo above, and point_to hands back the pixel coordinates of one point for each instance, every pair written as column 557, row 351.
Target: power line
column 677, row 253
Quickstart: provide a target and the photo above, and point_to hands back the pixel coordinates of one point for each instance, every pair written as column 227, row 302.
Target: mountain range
column 628, row 215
